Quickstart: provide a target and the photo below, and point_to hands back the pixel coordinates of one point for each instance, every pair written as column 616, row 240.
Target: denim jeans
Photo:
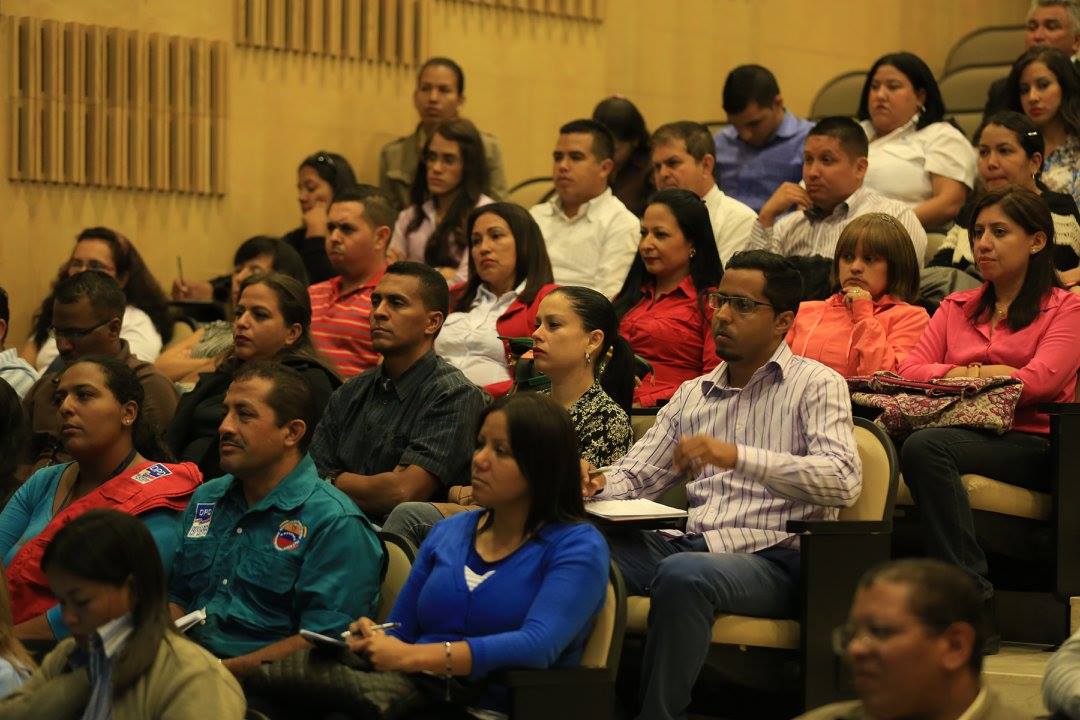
column 933, row 460
column 689, row 587
column 412, row 521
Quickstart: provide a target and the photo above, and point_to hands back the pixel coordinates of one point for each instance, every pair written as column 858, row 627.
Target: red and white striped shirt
column 340, row 325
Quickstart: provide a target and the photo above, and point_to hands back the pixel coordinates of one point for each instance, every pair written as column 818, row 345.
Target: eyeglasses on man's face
column 76, row 334
column 741, row 305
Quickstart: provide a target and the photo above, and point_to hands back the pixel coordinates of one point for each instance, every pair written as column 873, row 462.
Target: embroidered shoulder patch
column 151, row 473
column 201, row 524
column 289, row 535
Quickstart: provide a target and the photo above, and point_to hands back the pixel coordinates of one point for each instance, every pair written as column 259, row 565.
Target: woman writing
column 272, row 321
column 1020, row 324
column 868, row 325
column 662, row 302
column 915, row 156
column 146, row 324
column 124, row 659
column 117, row 464
column 450, row 182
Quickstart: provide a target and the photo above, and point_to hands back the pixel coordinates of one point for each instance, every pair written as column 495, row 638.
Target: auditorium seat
column 400, row 555
column 796, row 654
column 839, row 96
column 996, row 45
column 964, row 92
column 532, row 191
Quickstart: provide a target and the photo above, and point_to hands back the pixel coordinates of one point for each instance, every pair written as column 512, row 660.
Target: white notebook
column 637, row 509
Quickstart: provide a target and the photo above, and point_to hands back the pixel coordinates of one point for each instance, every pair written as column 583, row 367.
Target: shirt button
column 225, row 581
column 239, row 530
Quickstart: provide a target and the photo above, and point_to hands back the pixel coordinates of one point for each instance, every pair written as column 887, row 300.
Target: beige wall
column 526, row 75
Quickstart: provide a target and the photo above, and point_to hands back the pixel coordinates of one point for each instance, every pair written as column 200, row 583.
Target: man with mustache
column 914, row 641
column 405, row 429
column 764, row 438
column 271, row 548
column 358, row 231
column 88, row 309
column 834, row 165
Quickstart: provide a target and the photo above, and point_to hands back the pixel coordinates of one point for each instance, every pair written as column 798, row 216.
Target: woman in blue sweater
column 516, row 584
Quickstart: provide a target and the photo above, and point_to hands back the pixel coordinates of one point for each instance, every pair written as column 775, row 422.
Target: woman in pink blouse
column 868, row 325
column 1020, row 323
column 662, row 305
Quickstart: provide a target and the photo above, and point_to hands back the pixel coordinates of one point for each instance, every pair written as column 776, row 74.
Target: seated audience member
column 764, row 438
column 320, row 177
column 509, row 274
column 1045, row 86
column 914, row 641
column 16, row 664
column 400, row 430
column 118, row 462
column 18, row 373
column 631, row 179
column 1011, row 153
column 662, row 305
column 1022, row 324
column 125, row 660
column 684, row 156
column 868, row 324
column 571, row 322
column 271, row 548
column 449, row 184
column 536, row 571
column 438, row 97
column 360, row 221
column 13, row 433
column 591, row 237
column 209, row 345
column 86, row 314
column 761, row 147
column 1050, row 23
column 916, row 156
column 834, row 166
column 1061, row 680
column 272, row 322
column 146, row 324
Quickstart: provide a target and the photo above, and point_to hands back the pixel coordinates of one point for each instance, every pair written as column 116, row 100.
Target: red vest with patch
column 135, row 491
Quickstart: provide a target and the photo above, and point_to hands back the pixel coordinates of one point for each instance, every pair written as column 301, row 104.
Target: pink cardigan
column 1046, row 353
column 860, row 340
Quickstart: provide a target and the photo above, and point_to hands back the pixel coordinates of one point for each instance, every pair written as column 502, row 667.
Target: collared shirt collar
column 715, row 194
column 416, row 374
column 816, row 215
column 113, row 635
column 775, row 365
column 428, row 208
column 485, row 295
column 908, row 126
column 788, row 127
column 289, row 494
column 337, row 280
column 976, row 706
column 583, row 211
column 685, row 286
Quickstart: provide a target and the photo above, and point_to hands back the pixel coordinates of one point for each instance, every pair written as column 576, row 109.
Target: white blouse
column 469, row 340
column 137, row 328
column 900, row 163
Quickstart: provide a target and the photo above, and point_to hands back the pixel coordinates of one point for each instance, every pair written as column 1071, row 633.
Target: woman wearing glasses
column 146, row 323
column 450, row 183
column 868, row 324
column 662, row 304
column 117, row 463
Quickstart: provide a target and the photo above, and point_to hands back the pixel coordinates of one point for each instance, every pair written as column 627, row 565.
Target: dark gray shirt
column 427, row 417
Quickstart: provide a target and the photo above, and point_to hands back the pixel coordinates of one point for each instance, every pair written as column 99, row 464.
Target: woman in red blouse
column 1020, row 323
column 662, row 303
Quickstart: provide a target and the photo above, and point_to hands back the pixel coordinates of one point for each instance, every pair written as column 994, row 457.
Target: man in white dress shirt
column 591, row 237
column 764, row 438
column 18, row 373
column 830, row 196
column 683, row 156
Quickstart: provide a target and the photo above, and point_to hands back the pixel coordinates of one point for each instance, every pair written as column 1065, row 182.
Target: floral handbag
column 910, row 405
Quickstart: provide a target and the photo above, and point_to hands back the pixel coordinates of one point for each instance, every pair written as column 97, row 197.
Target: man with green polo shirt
column 271, row 548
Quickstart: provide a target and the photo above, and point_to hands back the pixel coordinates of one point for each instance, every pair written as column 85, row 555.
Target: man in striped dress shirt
column 764, row 438
column 358, row 230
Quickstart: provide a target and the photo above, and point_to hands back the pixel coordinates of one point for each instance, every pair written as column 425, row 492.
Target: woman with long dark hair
column 272, row 321
column 450, row 183
column 662, row 302
column 1043, row 85
column 124, row 659
column 146, row 324
column 319, row 177
column 916, row 156
column 118, row 462
column 14, row 430
column 1020, row 323
column 631, row 180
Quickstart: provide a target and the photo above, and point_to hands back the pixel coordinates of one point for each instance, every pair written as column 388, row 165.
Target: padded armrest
column 554, row 677
column 1072, row 408
column 838, row 527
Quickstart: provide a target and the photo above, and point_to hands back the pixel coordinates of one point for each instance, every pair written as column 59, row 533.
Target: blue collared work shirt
column 303, row 557
column 751, row 174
